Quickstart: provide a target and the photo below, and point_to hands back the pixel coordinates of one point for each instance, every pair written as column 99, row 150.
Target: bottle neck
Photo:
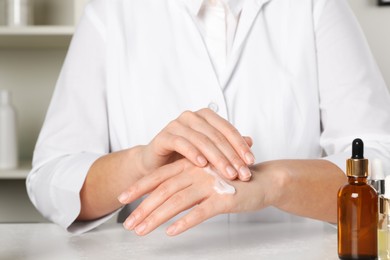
column 4, row 97
column 357, row 180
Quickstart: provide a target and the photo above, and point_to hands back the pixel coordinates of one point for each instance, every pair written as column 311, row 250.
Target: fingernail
column 250, row 159
column 140, row 228
column 201, row 160
column 129, row 223
column 231, row 172
column 245, row 173
column 136, row 214
column 123, row 197
column 171, row 230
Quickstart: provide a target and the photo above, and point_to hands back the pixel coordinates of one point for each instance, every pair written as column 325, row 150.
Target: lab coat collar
column 250, row 9
column 249, row 13
column 193, row 6
column 234, row 5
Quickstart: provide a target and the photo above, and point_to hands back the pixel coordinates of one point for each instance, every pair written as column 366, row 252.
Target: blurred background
column 32, row 50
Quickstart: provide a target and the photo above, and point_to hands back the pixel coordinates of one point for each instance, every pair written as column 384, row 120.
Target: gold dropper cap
column 357, row 166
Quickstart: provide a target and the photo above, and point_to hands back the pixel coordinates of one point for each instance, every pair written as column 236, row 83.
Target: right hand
column 182, row 186
column 202, row 137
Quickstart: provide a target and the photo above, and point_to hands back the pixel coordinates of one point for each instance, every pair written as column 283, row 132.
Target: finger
column 204, row 144
column 222, row 155
column 166, row 142
column 231, row 133
column 248, row 140
column 185, row 148
column 156, row 199
column 150, row 182
column 178, row 203
column 205, row 210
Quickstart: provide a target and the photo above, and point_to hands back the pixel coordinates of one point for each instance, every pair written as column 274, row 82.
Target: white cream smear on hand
column 220, row 186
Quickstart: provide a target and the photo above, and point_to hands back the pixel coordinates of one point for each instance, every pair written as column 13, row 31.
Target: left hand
column 181, row 185
column 202, row 137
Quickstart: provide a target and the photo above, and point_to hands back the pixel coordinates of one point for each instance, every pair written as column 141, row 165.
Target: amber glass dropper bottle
column 357, row 211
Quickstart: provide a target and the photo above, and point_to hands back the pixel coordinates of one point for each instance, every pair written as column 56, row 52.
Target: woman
column 152, row 93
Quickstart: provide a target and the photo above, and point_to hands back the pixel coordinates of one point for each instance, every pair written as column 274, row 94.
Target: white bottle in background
column 19, row 12
column 8, row 133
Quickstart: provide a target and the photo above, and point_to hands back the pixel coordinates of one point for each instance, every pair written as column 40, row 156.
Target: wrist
column 137, row 153
column 275, row 177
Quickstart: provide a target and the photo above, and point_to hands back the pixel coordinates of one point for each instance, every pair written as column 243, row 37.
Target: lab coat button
column 213, row 106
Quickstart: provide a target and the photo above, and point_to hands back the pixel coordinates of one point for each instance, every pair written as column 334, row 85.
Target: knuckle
column 244, row 146
column 183, row 223
column 186, row 114
column 156, row 178
column 189, row 118
column 232, row 130
column 174, row 124
column 163, row 191
column 180, row 165
column 205, row 111
column 200, row 213
column 191, row 152
column 219, row 138
column 177, row 141
column 221, row 161
column 186, row 166
column 181, row 145
column 177, row 200
column 135, row 188
column 237, row 161
column 139, row 213
column 203, row 140
column 151, row 219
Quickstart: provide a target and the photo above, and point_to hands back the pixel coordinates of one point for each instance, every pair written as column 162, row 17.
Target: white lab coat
column 300, row 80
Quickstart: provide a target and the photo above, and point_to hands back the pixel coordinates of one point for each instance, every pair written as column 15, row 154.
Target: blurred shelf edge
column 36, row 30
column 35, row 37
column 19, row 173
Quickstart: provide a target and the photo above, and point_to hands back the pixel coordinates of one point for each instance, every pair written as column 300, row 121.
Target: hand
column 201, row 137
column 181, row 185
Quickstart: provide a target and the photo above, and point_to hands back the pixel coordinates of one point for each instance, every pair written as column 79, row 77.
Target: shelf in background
column 19, row 173
column 31, row 37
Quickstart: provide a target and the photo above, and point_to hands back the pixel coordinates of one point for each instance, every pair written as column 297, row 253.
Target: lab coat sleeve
column 75, row 131
column 354, row 99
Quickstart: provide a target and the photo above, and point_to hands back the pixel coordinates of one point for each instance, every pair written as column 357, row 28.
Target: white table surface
column 310, row 240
